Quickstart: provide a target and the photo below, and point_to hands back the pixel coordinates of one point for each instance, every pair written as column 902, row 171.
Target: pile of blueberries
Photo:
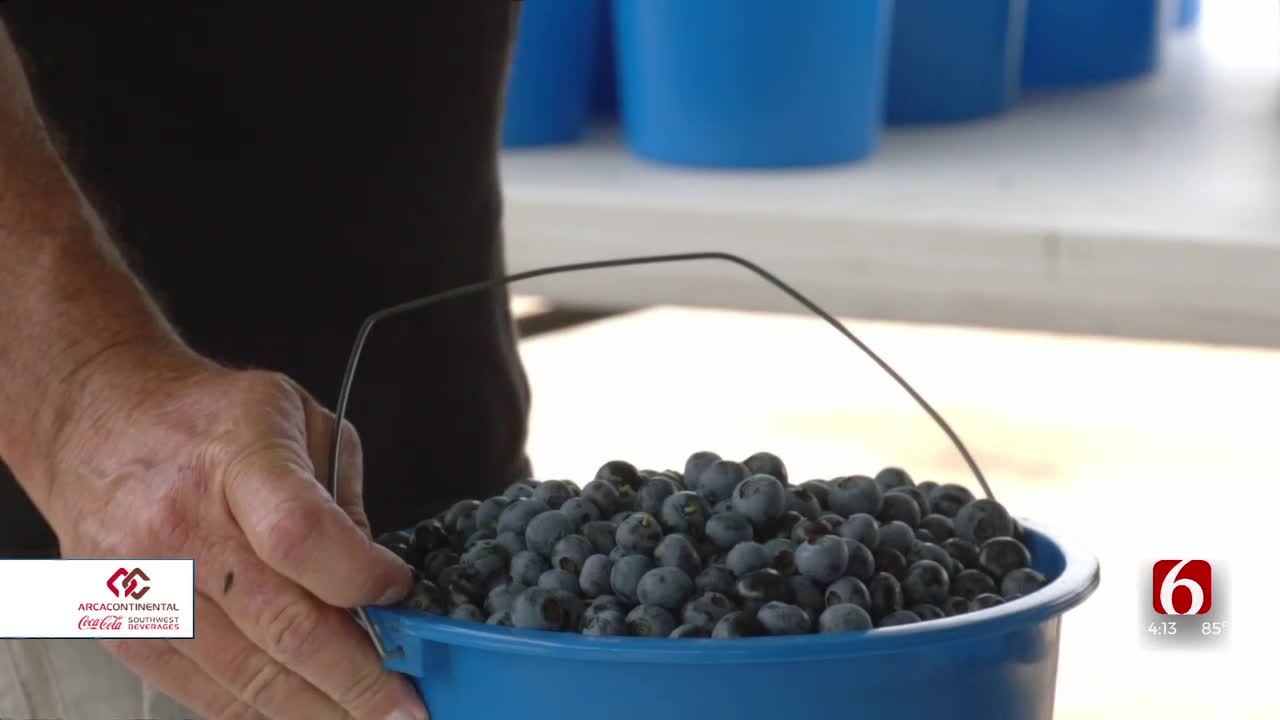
column 724, row 550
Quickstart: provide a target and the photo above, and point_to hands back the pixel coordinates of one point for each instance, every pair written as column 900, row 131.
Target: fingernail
column 409, row 713
column 394, row 594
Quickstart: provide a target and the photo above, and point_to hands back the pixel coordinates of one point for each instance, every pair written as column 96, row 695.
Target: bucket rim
column 1077, row 581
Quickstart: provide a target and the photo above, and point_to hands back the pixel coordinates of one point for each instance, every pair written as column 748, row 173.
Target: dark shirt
column 275, row 171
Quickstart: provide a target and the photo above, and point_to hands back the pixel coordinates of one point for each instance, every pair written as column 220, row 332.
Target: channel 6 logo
column 1182, row 587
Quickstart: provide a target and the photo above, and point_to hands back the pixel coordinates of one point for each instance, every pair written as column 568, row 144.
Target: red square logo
column 1182, row 587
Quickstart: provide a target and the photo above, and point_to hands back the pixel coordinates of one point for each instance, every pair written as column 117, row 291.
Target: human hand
column 181, row 458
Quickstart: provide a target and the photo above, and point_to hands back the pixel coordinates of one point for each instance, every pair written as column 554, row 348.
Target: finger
column 318, row 642
column 350, row 460
column 157, row 662
column 224, row 653
column 295, row 527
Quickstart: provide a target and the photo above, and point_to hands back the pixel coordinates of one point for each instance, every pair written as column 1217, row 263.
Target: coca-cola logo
column 130, row 583
column 105, row 622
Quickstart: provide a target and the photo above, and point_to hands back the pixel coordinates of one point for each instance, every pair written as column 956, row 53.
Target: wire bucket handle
column 344, row 393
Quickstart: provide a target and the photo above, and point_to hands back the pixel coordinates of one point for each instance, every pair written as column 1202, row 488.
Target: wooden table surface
column 1143, row 451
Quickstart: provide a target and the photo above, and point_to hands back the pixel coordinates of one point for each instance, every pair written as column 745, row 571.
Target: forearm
column 66, row 298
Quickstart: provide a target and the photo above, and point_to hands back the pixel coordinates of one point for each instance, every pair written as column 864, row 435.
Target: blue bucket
column 604, row 84
column 954, row 61
column 1088, row 42
column 994, row 664
column 549, row 90
column 752, row 83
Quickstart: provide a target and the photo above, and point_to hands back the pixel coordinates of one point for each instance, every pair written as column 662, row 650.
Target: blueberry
column 527, row 567
column 926, row 582
column 620, row 474
column 893, row 477
column 863, row 528
column 946, row 500
column 667, row 587
column 429, row 536
column 747, row 557
column 617, row 554
column 708, row 551
column 723, row 506
column 689, row 631
column 807, row 529
column 986, row 600
column 685, row 512
column 939, row 526
column 785, row 523
column 737, row 625
column 486, row 559
column 465, row 587
column 621, row 517
column 478, row 536
column 601, row 494
column 981, row 520
column 502, row 619
column 848, row 591
column 705, row 610
column 517, row 515
column 899, row 617
column 426, row 597
column 929, row 551
column 782, row 619
column 782, row 555
column 654, row 493
column 571, row 552
column 831, row 520
column 489, row 511
column 806, row 593
column 608, row 602
column 899, row 507
column 886, row 594
column 916, row 494
column 626, row 574
column 927, row 487
column 963, row 552
column 557, row 579
column 717, row 580
column 650, row 621
column 801, row 500
column 820, row 491
column 447, row 576
column 437, row 561
column 602, row 534
column 928, row 612
column 1022, row 581
column 897, row 535
column 639, row 534
column 718, row 481
column 554, row 493
column 580, row 511
column 891, row 561
column 609, row 623
column 546, row 530
column 970, row 583
column 728, row 529
column 843, row 618
column 518, row 491
column 594, row 576
column 512, row 542
column 761, row 499
column 763, row 585
column 460, row 518
column 501, row 597
column 956, row 605
column 696, row 465
column 470, row 613
column 925, row 536
column 678, row 551
column 1000, row 556
column 823, row 558
column 862, row 562
column 855, row 494
column 574, row 609
column 764, row 463
column 538, row 609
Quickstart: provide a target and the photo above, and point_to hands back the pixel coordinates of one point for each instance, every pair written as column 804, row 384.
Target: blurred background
column 1059, row 219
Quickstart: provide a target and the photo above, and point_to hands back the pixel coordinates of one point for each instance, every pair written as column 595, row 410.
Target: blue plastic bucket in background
column 549, row 90
column 954, row 61
column 752, row 83
column 1088, row 42
column 1188, row 13
column 994, row 664
column 604, row 83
